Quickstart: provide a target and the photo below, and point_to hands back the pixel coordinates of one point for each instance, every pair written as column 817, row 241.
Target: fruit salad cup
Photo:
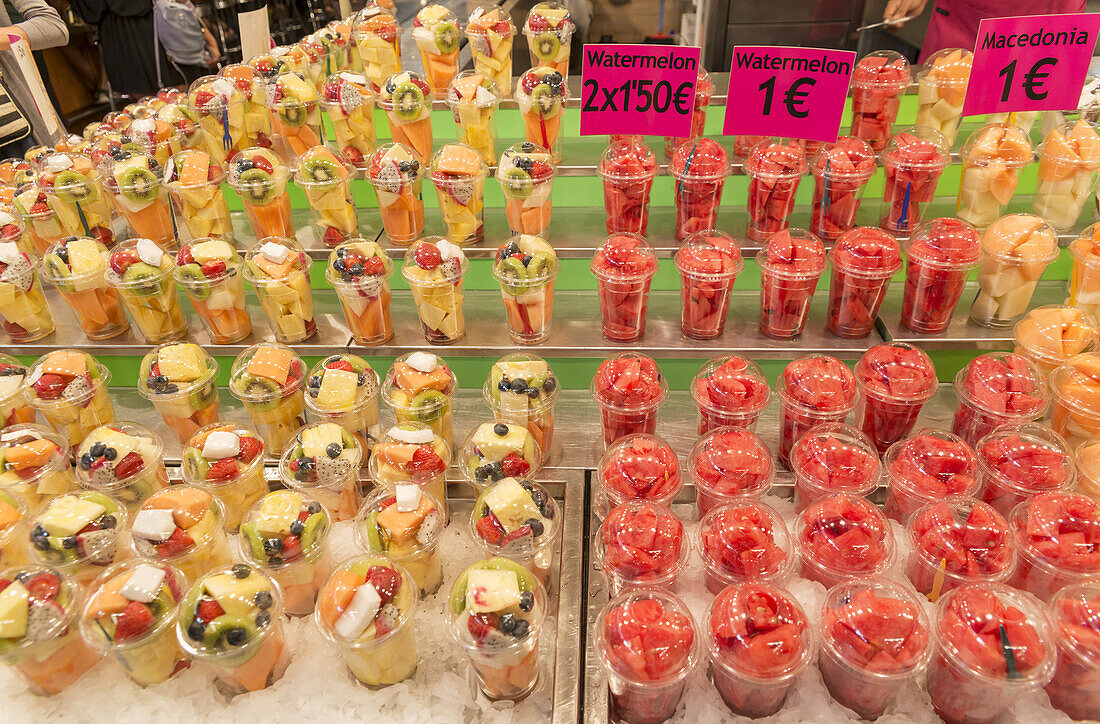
column 34, row 464
column 878, row 81
column 1015, row 251
column 268, row 379
column 404, row 524
column 624, row 266
column 940, row 255
column 704, row 89
column 253, row 87
column 14, row 230
column 993, row 644
column 864, row 260
column 495, row 613
column 293, row 104
column 895, row 380
column 774, row 166
column 526, row 267
column 1084, row 281
column 23, row 307
column 420, row 387
column 473, row 98
column 377, row 37
column 941, row 90
column 1058, row 540
column 322, row 461
column 70, row 390
column 628, row 388
column 180, row 379
column 124, row 460
column 38, row 638
column 259, row 177
column 812, row 390
column 326, row 181
column 541, row 93
column 490, row 32
column 226, row 460
column 709, row 262
column 518, row 520
column 458, row 174
column 840, row 170
column 14, row 402
column 991, row 163
column 759, row 641
column 700, row 168
column 495, row 450
column 278, row 268
column 521, row 389
column 728, row 464
column 220, row 108
column 184, row 526
column 526, row 175
column 997, row 389
column 194, row 182
column 412, row 453
column 14, row 530
column 1050, row 335
column 791, row 262
column 955, row 541
column 434, row 269
column 437, row 35
column 144, row 277
column 730, row 391
column 912, row 163
column 1017, row 462
column 636, row 466
column 396, row 175
column 184, row 120
column 210, row 271
column 833, row 458
column 343, row 388
column 1074, row 612
column 549, row 30
column 1069, row 158
column 928, row 466
column 77, row 267
column 1075, row 388
column 135, row 181
column 874, row 641
column 743, row 540
column 627, row 169
column 75, row 195
column 841, row 537
column 359, row 271
column 348, row 99
column 407, row 100
column 79, row 534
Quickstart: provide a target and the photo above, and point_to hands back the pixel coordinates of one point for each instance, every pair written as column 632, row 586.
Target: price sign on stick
column 794, row 92
column 638, row 89
column 1030, row 63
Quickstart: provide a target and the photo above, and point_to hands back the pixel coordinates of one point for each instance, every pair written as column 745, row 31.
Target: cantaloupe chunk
column 272, row 363
column 188, row 505
column 1087, row 365
column 413, row 381
column 196, row 170
column 108, row 600
column 395, row 454
column 65, row 362
column 29, row 454
column 9, row 515
column 337, row 594
column 459, row 160
column 400, row 526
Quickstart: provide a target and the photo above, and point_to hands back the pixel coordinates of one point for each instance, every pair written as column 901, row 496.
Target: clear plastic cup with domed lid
column 359, row 270
column 135, row 181
column 420, row 387
column 526, row 266
column 227, row 460
column 26, row 316
column 74, row 189
column 526, row 175
column 124, row 460
column 326, row 180
column 992, row 159
column 491, row 32
column 627, row 168
column 293, row 103
column 183, row 525
column 34, row 463
column 1068, row 162
column 412, row 452
column 941, row 89
column 407, row 99
column 1015, row 251
column 437, row 35
column 397, row 174
column 322, row 460
column 1074, row 611
column 69, row 388
column 519, row 520
column 709, row 262
column 458, row 173
column 549, row 29
column 14, row 230
column 1053, row 333
column 404, row 523
column 278, row 268
column 343, row 388
column 348, row 99
column 76, row 266
column 473, row 98
column 79, row 533
column 143, row 275
column 521, row 389
column 268, row 378
column 194, row 180
column 434, row 269
column 180, row 379
column 14, row 405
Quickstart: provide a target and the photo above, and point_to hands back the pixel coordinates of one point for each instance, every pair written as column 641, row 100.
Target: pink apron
column 954, row 23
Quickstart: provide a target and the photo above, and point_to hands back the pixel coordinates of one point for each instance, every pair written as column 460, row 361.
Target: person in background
column 124, row 32
column 190, row 46
column 42, row 28
column 954, row 23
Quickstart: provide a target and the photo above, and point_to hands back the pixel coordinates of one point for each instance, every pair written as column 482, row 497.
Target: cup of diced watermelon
column 791, row 262
column 864, row 261
column 730, row 391
column 641, row 544
column 993, row 644
column 774, row 166
column 833, row 458
column 743, row 540
column 624, row 266
column 843, row 536
column 841, row 170
column 627, row 169
column 878, row 81
column 927, row 466
column 637, row 466
column 1075, row 688
column 1058, row 537
column 912, row 163
column 700, row 167
column 895, row 380
column 997, row 389
column 874, row 640
column 709, row 262
column 628, row 388
column 940, row 255
column 1016, row 462
column 759, row 640
column 729, row 464
column 955, row 541
column 812, row 390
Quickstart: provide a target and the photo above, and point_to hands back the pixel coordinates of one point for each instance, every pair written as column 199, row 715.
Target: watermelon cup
column 774, row 166
column 526, row 266
column 1075, row 611
column 132, row 470
column 912, row 163
column 229, row 464
column 812, row 390
column 458, row 174
column 1058, row 539
column 14, row 531
column 508, row 393
column 628, row 388
column 406, row 531
column 975, row 629
column 490, row 32
column 35, row 465
column 727, row 464
column 41, row 643
column 260, row 179
column 874, row 641
column 1015, row 251
column 541, row 94
column 641, row 543
column 526, row 175
column 473, row 98
column 77, row 267
column 1050, row 335
column 278, row 269
column 627, row 169
column 791, row 262
column 637, row 466
column 322, row 461
column 549, row 30
column 624, row 266
column 864, row 260
column 407, row 100
column 396, row 175
column 268, row 379
column 143, row 275
column 343, row 388
column 833, row 458
column 730, row 391
column 991, row 163
column 843, row 536
column 704, row 89
column 760, row 641
column 648, row 645
column 194, row 182
column 420, row 387
column 743, row 145
column 709, row 262
column 69, row 388
column 941, row 90
column 180, row 379
column 518, row 520
column 1017, row 462
column 348, row 99
column 1069, row 158
column 955, row 541
column 700, row 168
column 997, row 389
column 1075, row 388
column 359, row 271
column 878, row 80
column 840, row 170
column 895, row 380
column 927, row 466
column 743, row 540
column 940, row 255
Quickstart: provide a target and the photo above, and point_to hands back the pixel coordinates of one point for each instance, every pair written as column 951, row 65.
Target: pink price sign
column 638, row 89
column 1030, row 63
column 792, row 92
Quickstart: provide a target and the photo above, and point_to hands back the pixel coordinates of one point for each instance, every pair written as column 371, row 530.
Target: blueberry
column 527, row 146
column 236, row 636
column 196, row 629
column 521, row 629
column 526, row 601
column 356, row 269
column 519, row 385
column 314, row 392
column 528, row 486
column 500, row 429
column 69, row 542
column 527, row 260
column 302, row 475
column 171, row 388
column 106, row 522
column 240, row 570
column 272, row 545
column 110, row 453
column 315, row 381
column 244, row 164
column 313, row 507
column 391, row 87
column 63, row 253
column 504, row 385
column 86, row 460
column 535, row 525
column 524, row 163
column 264, row 599
column 361, row 379
column 496, row 470
column 334, row 449
column 533, row 393
column 339, row 265
column 341, row 253
column 275, row 560
column 480, row 474
column 263, row 618
column 305, row 464
column 41, row 543
column 160, row 380
column 507, row 622
column 511, row 248
column 297, row 527
column 550, row 385
column 97, row 450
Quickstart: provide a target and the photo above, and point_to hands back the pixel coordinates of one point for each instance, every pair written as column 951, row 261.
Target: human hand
column 898, row 9
column 5, row 44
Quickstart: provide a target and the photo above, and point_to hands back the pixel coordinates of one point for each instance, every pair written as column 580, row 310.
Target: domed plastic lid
column 624, row 256
column 845, row 535
column 932, row 464
column 472, row 88
column 175, row 369
column 496, row 450
column 64, row 377
column 917, row 147
column 419, row 383
column 115, row 453
column 647, row 637
column 374, row 20
column 184, row 170
column 732, row 462
column 245, row 77
column 1059, row 533
column 210, row 94
column 525, row 164
column 282, row 528
column 950, row 244
column 700, row 159
column 307, row 465
column 508, row 388
column 353, row 263
column 866, row 251
column 969, row 539
column 457, row 162
column 777, row 158
column 266, row 370
column 341, row 624
column 883, row 71
column 1086, row 247
column 745, row 623
column 1075, row 611
column 13, row 377
column 731, row 385
column 710, row 254
column 408, row 93
column 744, row 540
column 274, row 259
column 642, row 542
column 550, row 84
column 396, row 457
column 257, row 168
column 44, row 600
column 341, row 383
column 1029, row 458
column 73, row 259
column 434, row 261
column 548, row 17
column 629, row 381
column 1001, row 142
column 897, row 372
column 30, row 453
column 979, row 625
column 432, row 15
column 704, row 88
column 1071, row 146
column 158, row 587
column 818, row 382
column 849, row 159
column 514, row 518
column 255, row 599
column 629, row 160
column 487, row 19
column 1003, row 384
column 1025, row 239
column 876, row 626
column 948, row 68
column 639, row 466
column 79, row 531
column 320, row 168
column 348, row 91
column 1054, row 333
column 62, row 172
column 235, row 442
column 836, row 458
column 792, row 253
column 392, row 167
column 1076, row 384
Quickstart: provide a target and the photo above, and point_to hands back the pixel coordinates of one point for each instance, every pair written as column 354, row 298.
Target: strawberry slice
column 208, row 610
column 178, row 543
column 129, row 466
column 489, row 528
column 224, row 469
column 134, row 621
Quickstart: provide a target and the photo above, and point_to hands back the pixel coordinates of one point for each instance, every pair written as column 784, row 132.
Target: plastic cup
column 632, row 408
column 348, row 100
column 864, row 261
column 437, row 35
column 217, row 296
column 729, row 464
column 527, row 290
column 878, row 80
column 148, row 292
column 130, row 483
column 1056, row 536
column 955, row 541
column 1017, row 462
column 774, row 166
column 389, row 465
column 473, row 98
column 426, row 401
column 86, row 407
column 204, row 546
column 14, row 530
column 1015, row 251
column 541, row 93
column 704, row 89
column 549, row 32
column 941, row 90
column 968, row 679
column 624, row 266
column 23, row 307
column 219, row 107
column 237, row 484
column 377, row 39
column 490, row 33
column 47, row 477
column 1073, row 688
column 637, row 466
column 1052, row 334
column 627, row 169
column 895, row 380
column 494, row 451
column 641, row 544
column 185, row 402
column 253, row 87
column 136, row 184
column 436, row 284
column 1084, row 280
column 912, row 163
column 637, row 625
column 282, row 287
column 841, row 537
column 1088, row 469
column 519, row 544
column 840, row 170
column 833, row 458
column 709, row 262
column 397, row 174
column 874, row 641
column 1075, row 395
column 730, row 391
column 363, row 290
column 335, row 482
column 1068, row 163
column 14, row 230
column 194, row 182
column 759, row 641
column 414, row 547
column 264, row 197
column 180, row 117
column 700, row 168
column 515, row 406
column 74, row 192
column 293, row 105
column 991, row 163
column 997, row 389
column 81, row 555
column 812, row 390
column 791, row 262
column 15, row 407
column 928, row 466
column 343, row 388
column 940, row 255
column 407, row 100
column 77, row 269
column 458, row 174
column 276, row 406
column 743, row 540
column 526, row 175
column 326, row 181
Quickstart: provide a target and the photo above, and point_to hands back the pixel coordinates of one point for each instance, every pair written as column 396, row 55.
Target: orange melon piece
column 467, row 86
column 65, row 362
column 188, row 505
column 1087, row 365
column 107, row 599
column 459, row 160
column 272, row 269
column 272, row 363
column 1002, row 181
column 31, row 454
column 1088, row 458
column 401, row 527
column 9, row 515
column 395, row 454
column 253, row 673
column 414, row 381
column 337, row 594
column 196, row 170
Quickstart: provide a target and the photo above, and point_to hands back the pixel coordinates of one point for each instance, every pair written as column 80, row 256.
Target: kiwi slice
column 142, row 280
column 293, row 113
column 201, row 396
column 408, row 101
column 195, row 464
column 58, row 271
column 259, row 393
column 546, row 46
column 539, row 266
column 427, row 406
column 310, row 529
column 74, row 187
column 217, row 628
column 248, row 532
column 519, row 182
column 139, row 184
column 189, row 276
column 257, row 186
column 320, row 170
column 446, row 36
column 513, row 275
column 542, row 98
column 374, row 536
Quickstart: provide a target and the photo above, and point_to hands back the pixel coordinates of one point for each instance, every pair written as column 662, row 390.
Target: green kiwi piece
column 192, row 278
column 428, row 406
column 196, row 466
column 518, row 182
column 542, row 98
column 58, row 272
column 546, row 46
column 293, row 113
column 255, row 543
column 408, row 101
column 139, row 184
column 256, row 186
column 539, row 266
column 142, row 280
column 320, row 170
column 260, row 393
column 513, row 275
column 446, row 36
column 74, row 187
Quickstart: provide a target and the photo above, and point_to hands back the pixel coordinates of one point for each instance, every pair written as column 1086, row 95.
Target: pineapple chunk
column 235, row 595
column 182, row 362
column 489, row 590
column 278, row 511
column 67, row 515
column 84, row 256
column 511, row 504
column 338, row 388
column 13, row 611
column 212, row 250
column 316, row 439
